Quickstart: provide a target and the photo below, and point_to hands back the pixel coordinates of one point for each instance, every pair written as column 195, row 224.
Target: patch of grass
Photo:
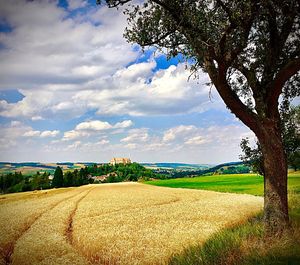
column 246, row 244
column 224, row 247
column 236, row 183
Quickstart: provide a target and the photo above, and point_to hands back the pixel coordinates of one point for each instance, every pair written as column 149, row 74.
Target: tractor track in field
column 69, row 228
column 8, row 250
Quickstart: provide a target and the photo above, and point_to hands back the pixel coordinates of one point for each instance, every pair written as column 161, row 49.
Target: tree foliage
column 58, row 179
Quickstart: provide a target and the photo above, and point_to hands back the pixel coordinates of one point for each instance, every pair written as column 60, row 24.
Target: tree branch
column 246, row 25
column 164, row 5
column 112, row 3
column 226, row 9
column 290, row 69
column 250, row 76
column 152, row 42
column 231, row 99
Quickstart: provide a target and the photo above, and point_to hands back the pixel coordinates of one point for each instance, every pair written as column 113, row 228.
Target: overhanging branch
column 275, row 89
column 231, row 99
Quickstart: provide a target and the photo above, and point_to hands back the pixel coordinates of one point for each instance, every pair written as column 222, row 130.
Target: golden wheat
column 139, row 224
column 125, row 223
column 19, row 211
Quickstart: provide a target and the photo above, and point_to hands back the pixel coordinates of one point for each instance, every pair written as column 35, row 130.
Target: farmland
column 237, row 183
column 124, row 223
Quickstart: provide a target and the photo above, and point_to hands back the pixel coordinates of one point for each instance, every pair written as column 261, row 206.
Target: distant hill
column 33, row 167
column 225, row 168
column 179, row 166
column 174, row 170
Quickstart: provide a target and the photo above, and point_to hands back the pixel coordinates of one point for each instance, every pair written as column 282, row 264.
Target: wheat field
column 124, row 223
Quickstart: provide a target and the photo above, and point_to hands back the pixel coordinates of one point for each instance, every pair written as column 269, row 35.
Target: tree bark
column 276, row 216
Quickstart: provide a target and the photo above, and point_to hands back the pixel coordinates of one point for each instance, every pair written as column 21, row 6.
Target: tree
column 250, row 50
column 291, row 138
column 58, row 179
column 68, row 179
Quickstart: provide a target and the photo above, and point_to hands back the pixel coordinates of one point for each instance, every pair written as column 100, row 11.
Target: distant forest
column 17, row 182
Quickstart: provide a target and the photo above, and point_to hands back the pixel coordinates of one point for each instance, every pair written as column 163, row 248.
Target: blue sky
column 73, row 89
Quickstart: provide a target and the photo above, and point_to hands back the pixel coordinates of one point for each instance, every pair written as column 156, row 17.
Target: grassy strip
column 236, row 183
column 246, row 244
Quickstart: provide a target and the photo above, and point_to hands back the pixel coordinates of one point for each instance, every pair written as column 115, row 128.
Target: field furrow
column 69, row 226
column 16, row 218
column 45, row 242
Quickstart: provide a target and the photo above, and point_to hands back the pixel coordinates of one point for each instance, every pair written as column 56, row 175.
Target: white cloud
column 136, row 136
column 88, row 128
column 123, row 124
column 74, row 145
column 197, row 140
column 37, row 118
column 75, row 4
column 94, row 126
column 102, row 142
column 50, row 55
column 43, row 134
column 15, row 123
column 179, row 131
column 97, row 125
column 188, row 143
column 32, row 133
column 49, row 133
column 73, row 134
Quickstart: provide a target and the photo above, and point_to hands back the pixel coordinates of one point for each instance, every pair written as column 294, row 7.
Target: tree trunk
column 275, row 180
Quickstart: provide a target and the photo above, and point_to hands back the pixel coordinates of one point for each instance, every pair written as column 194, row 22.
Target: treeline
column 70, row 178
column 17, row 182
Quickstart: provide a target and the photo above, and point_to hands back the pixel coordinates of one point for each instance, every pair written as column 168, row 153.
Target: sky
column 73, row 89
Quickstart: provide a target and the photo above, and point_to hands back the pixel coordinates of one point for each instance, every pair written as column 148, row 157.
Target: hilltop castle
column 117, row 160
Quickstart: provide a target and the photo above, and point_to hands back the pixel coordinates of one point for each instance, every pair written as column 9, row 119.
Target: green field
column 243, row 183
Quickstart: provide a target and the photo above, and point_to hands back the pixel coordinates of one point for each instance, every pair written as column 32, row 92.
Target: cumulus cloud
column 94, row 126
column 97, row 125
column 21, row 136
column 123, row 124
column 42, row 134
column 136, row 136
column 186, row 137
column 73, row 134
column 88, row 128
column 179, row 131
column 49, row 133
column 75, row 4
column 163, row 92
column 67, row 65
column 49, row 51
column 32, row 133
column 197, row 140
